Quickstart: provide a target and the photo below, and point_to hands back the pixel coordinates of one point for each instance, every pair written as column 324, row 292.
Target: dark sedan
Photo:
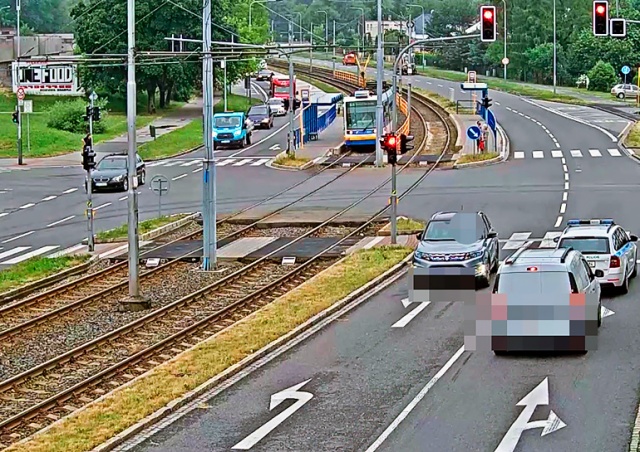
column 264, row 76
column 261, row 116
column 111, row 173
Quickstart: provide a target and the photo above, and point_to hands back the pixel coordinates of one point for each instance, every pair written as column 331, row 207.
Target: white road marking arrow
column 293, row 392
column 412, row 314
column 606, row 312
column 275, row 147
column 538, row 396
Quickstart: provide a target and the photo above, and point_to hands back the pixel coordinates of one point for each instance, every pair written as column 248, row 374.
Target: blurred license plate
column 101, row 184
column 592, row 264
column 225, row 141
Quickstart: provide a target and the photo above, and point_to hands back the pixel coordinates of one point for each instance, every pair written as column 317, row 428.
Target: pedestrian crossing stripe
column 575, row 153
column 222, row 161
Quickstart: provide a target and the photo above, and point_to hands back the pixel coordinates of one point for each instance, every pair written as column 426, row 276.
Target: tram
column 360, row 119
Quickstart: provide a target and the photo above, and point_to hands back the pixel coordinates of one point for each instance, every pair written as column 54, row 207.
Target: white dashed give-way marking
column 412, row 314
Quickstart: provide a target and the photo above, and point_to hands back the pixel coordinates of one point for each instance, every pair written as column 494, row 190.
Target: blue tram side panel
column 360, row 120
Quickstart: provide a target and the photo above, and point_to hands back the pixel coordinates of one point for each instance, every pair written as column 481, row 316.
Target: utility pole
column 134, row 278
column 209, row 214
column 18, row 49
column 394, row 205
column 311, row 49
column 380, row 73
column 554, row 49
column 504, row 15
column 90, row 241
column 290, row 144
column 334, row 47
column 224, row 66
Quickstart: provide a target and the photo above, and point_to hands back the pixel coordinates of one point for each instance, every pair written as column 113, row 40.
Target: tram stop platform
column 353, row 160
column 253, row 248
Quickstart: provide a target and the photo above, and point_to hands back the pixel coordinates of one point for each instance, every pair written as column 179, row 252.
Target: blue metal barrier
column 314, row 124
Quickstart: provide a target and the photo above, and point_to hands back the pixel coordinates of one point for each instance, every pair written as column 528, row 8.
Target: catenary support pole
column 90, row 240
column 504, row 14
column 380, row 74
column 555, row 56
column 394, row 205
column 224, row 65
column 134, row 281
column 311, row 49
column 209, row 260
column 290, row 142
column 334, row 48
column 19, row 50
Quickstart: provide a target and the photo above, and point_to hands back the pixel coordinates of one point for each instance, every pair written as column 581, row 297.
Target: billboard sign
column 46, row 78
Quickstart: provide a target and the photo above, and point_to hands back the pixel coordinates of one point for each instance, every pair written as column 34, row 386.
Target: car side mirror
column 419, row 235
column 633, row 238
column 599, row 273
column 556, row 239
column 492, row 234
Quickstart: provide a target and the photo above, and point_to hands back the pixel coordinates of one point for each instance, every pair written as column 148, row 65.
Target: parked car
column 261, row 116
column 111, row 173
column 264, row 75
column 277, row 106
column 624, row 91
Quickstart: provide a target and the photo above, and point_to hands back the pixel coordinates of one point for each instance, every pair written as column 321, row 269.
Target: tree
column 602, row 76
column 40, row 16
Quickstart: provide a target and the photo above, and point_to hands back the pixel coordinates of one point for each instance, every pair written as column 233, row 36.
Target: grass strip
column 293, row 162
column 320, row 85
column 468, row 158
column 445, row 103
column 174, row 142
column 633, row 138
column 120, row 233
column 236, row 102
column 120, row 410
column 37, row 268
column 405, row 225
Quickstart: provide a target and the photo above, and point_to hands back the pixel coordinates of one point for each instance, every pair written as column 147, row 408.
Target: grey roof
column 420, row 22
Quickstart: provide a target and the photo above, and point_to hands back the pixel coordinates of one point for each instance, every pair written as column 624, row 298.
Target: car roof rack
column 563, row 258
column 512, row 259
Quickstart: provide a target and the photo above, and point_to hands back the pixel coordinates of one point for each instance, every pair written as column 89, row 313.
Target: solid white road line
column 18, row 237
column 123, row 198
column 179, row 177
column 518, row 155
column 61, row 221
column 69, row 250
column 3, row 214
column 103, row 205
column 595, row 153
column 13, row 251
column 71, row 190
column 260, row 162
column 410, row 407
column 49, row 198
column 411, row 315
column 24, row 257
column 26, row 206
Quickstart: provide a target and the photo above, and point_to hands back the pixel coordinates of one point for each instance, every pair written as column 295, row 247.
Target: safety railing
column 312, row 124
column 403, row 108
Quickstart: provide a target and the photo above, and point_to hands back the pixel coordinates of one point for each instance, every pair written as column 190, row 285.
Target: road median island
column 286, row 161
column 320, row 85
column 120, row 233
column 119, row 410
column 632, row 140
column 35, row 269
column 446, row 104
column 477, row 158
column 404, row 226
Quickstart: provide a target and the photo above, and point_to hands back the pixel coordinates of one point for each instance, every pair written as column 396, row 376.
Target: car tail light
column 615, row 262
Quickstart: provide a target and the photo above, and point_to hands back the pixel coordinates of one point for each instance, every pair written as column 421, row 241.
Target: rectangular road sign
column 474, row 86
column 28, row 106
column 471, row 77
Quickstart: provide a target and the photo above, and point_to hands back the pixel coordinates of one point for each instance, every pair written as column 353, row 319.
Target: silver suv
column 545, row 300
column 459, row 239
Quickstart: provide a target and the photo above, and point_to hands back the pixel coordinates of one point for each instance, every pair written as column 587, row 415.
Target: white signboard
column 46, row 78
column 28, row 106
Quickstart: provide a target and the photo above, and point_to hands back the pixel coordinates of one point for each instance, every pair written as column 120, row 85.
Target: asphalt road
column 372, row 383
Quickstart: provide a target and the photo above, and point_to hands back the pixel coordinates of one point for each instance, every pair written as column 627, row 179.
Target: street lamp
column 361, row 24
column 326, row 27
column 555, row 62
column 300, row 26
column 422, row 9
column 256, row 1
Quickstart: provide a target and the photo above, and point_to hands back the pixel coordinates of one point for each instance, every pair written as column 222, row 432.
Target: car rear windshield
column 109, row 164
column 587, row 245
column 534, row 282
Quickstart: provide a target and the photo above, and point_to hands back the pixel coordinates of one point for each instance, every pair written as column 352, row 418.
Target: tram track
column 53, row 389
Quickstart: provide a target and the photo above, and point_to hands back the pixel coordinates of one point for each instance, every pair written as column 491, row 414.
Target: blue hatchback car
column 459, row 239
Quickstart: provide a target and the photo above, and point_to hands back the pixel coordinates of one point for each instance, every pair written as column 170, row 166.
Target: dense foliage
column 69, row 116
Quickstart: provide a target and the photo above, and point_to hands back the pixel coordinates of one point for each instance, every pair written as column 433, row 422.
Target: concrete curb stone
column 503, row 157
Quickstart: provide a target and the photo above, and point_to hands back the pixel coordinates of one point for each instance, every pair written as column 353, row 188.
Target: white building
column 371, row 27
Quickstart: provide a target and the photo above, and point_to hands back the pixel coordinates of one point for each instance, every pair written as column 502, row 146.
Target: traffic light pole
column 18, row 49
column 292, row 101
column 394, row 206
column 380, row 74
column 90, row 240
column 409, row 102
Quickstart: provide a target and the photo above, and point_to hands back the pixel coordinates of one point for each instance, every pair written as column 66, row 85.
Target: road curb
column 169, row 227
column 358, row 296
column 505, row 151
column 179, row 154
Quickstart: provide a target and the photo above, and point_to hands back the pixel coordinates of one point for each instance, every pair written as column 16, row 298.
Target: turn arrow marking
column 293, row 392
column 404, row 321
column 606, row 312
column 275, row 147
column 538, row 396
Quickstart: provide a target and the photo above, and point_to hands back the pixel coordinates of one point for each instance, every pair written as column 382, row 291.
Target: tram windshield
column 361, row 115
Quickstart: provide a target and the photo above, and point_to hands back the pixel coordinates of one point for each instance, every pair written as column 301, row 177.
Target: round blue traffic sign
column 625, row 70
column 473, row 132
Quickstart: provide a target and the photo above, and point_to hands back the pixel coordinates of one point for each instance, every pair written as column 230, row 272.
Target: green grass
column 468, row 158
column 440, row 100
column 293, row 162
column 172, row 143
column 120, row 233
column 235, row 103
column 37, row 268
column 320, row 85
column 633, row 139
column 405, row 226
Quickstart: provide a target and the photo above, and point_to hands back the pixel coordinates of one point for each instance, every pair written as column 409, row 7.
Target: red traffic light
column 391, row 141
column 488, row 14
column 600, row 9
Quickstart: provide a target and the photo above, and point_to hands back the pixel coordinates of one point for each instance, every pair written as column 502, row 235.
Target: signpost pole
column 394, row 212
column 90, row 241
column 28, row 134
column 18, row 49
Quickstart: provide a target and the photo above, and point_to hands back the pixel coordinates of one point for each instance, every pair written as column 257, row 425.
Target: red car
column 349, row 59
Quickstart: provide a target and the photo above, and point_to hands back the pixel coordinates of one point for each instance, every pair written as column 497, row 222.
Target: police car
column 606, row 246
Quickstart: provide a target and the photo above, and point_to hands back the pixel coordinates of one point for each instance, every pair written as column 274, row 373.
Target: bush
column 602, row 77
column 69, row 116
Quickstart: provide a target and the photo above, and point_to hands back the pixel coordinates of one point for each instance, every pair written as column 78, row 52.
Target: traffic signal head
column 405, row 143
column 88, row 158
column 618, row 28
column 14, row 117
column 488, row 23
column 390, row 142
column 601, row 18
column 96, row 113
column 486, row 102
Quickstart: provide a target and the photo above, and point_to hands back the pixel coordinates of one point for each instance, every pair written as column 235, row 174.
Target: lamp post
column 422, row 9
column 555, row 56
column 251, row 6
column 300, row 26
column 361, row 25
column 326, row 27
column 504, row 37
